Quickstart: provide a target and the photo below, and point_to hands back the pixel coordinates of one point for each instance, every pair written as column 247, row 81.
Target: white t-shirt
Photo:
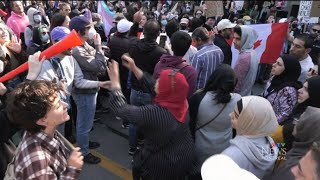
column 305, row 64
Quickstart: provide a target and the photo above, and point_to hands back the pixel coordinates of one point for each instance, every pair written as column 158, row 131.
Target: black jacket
column 146, row 54
column 225, row 47
column 119, row 45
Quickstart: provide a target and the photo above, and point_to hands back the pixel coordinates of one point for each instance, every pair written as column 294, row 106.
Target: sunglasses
column 313, row 72
column 316, row 30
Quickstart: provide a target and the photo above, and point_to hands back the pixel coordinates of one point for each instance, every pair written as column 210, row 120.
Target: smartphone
column 163, row 40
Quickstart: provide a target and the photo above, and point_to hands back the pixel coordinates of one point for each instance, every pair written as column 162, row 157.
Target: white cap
column 224, row 24
column 184, row 21
column 223, row 167
column 124, row 25
column 283, row 20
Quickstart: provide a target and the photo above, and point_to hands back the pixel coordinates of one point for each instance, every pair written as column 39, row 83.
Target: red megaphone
column 71, row 40
column 2, row 13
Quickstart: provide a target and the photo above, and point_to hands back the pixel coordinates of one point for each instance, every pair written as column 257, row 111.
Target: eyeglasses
column 313, row 72
column 316, row 30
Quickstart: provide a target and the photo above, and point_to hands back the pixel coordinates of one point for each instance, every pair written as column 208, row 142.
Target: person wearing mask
column 36, row 106
column 315, row 51
column 209, row 111
column 247, row 20
column 92, row 62
column 163, row 22
column 253, row 149
column 246, row 66
column 300, row 48
column 40, row 39
column 180, row 44
column 168, row 151
column 18, row 21
column 184, row 25
column 208, row 57
column 306, row 131
column 224, row 28
column 35, row 21
column 282, row 88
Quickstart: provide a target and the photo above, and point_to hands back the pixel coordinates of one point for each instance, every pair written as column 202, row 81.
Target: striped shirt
column 43, row 157
column 205, row 61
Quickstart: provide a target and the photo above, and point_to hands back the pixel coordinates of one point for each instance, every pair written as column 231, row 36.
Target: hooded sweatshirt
column 247, row 65
column 29, row 31
column 167, row 61
column 146, row 54
column 17, row 23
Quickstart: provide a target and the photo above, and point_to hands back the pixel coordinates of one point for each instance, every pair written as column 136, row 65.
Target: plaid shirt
column 43, row 157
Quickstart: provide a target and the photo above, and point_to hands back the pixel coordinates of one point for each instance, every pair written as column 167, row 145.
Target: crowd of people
column 165, row 69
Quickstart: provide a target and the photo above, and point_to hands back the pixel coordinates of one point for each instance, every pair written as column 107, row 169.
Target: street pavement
column 116, row 163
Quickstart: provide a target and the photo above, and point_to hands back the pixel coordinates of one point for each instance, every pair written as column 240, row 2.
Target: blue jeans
column 86, row 109
column 137, row 98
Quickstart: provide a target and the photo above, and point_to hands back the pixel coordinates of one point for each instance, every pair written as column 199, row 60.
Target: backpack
column 23, row 43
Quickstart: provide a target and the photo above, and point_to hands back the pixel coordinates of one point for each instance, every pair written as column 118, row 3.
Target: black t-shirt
column 315, row 52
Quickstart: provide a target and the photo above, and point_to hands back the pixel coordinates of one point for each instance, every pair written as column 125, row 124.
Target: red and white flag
column 269, row 44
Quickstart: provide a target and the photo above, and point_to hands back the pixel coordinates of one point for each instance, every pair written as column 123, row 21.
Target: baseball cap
column 225, row 24
column 184, row 21
column 124, row 25
column 80, row 22
column 223, row 167
column 59, row 33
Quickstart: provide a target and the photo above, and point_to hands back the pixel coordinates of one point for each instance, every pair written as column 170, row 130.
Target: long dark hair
column 222, row 81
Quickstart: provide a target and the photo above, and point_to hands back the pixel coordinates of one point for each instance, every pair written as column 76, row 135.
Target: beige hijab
column 257, row 118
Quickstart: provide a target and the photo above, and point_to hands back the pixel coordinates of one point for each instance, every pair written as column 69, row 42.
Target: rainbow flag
column 107, row 16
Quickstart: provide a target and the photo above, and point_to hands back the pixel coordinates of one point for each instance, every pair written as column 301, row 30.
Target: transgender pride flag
column 107, row 16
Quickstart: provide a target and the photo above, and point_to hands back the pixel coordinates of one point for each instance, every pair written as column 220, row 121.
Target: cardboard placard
column 215, row 8
column 315, row 9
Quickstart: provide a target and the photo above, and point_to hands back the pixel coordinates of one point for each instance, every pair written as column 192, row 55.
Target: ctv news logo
column 270, row 154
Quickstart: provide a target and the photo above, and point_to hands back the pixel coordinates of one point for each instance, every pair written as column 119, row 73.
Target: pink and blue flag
column 107, row 16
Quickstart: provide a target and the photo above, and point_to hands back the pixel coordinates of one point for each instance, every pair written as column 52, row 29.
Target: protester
column 92, row 62
column 209, row 113
column 315, row 51
column 36, row 106
column 34, row 17
column 208, row 57
column 180, row 43
column 40, row 39
column 224, row 28
column 307, row 96
column 59, row 20
column 301, row 47
column 146, row 54
column 18, row 21
column 282, row 89
column 64, row 9
column 253, row 149
column 305, row 133
column 247, row 64
column 168, row 151
column 308, row 167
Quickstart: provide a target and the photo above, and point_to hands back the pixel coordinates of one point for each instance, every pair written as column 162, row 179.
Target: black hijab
column 290, row 75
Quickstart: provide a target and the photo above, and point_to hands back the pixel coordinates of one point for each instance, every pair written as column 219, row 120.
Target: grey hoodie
column 246, row 78
column 29, row 32
column 253, row 154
